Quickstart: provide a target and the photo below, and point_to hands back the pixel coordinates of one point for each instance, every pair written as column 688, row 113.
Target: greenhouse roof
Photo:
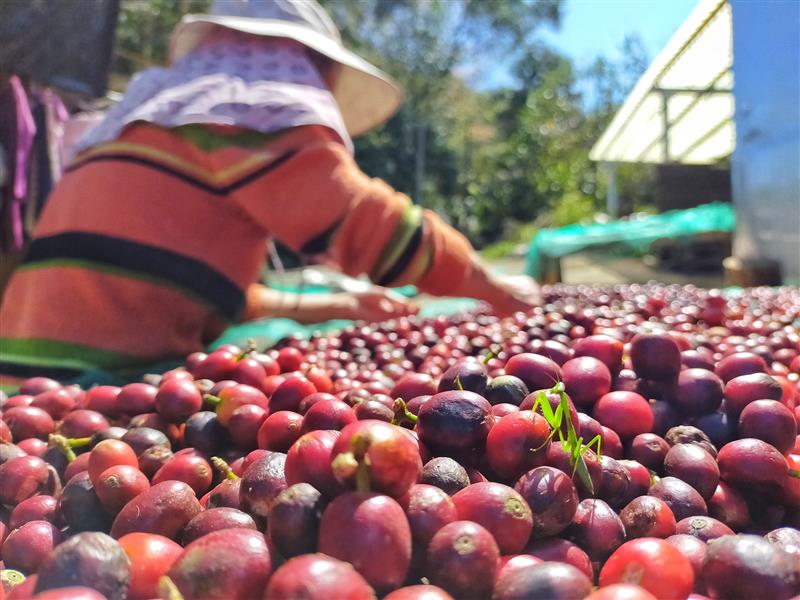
column 681, row 109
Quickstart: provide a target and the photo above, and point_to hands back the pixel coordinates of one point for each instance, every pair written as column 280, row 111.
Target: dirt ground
column 603, row 268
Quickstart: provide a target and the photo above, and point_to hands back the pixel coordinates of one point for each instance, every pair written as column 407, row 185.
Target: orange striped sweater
column 150, row 242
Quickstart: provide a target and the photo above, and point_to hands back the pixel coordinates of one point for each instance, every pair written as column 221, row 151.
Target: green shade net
column 635, row 234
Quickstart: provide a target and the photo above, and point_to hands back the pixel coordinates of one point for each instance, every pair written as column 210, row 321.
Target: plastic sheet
column 264, row 333
column 636, row 234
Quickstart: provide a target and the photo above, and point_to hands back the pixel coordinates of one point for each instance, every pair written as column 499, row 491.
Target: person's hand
column 379, row 304
column 506, row 293
column 512, row 293
column 372, row 305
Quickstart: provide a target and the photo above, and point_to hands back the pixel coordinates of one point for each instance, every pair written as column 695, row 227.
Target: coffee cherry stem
column 167, row 589
column 212, row 399
column 249, row 349
column 223, row 468
column 359, row 446
column 9, row 579
column 654, row 478
column 346, row 465
column 355, row 463
column 491, row 353
column 79, row 442
column 362, row 475
column 402, row 414
column 62, row 443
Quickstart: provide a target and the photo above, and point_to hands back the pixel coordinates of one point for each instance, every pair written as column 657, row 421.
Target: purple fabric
column 26, row 130
column 257, row 83
column 56, row 116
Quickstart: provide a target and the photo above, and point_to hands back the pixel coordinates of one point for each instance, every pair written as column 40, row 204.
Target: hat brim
column 366, row 95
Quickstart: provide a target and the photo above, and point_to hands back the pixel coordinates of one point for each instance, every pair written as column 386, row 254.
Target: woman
column 152, row 242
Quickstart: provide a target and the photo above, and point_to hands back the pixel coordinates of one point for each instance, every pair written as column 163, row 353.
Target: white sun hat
column 366, row 95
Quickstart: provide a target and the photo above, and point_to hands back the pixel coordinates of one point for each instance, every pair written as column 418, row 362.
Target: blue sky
column 592, row 28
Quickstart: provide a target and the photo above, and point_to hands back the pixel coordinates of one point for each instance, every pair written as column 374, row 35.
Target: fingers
column 511, row 306
column 382, row 305
column 386, row 303
column 397, row 307
column 522, row 289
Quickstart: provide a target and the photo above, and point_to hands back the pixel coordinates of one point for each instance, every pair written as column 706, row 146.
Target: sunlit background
column 523, row 117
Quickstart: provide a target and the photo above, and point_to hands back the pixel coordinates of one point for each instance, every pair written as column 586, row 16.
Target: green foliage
column 144, row 29
column 499, row 249
column 573, row 207
column 540, row 155
column 516, row 235
column 611, row 81
column 434, row 148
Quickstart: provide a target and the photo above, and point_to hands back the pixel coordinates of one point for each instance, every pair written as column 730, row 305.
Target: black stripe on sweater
column 404, row 259
column 203, row 185
column 18, row 370
column 183, row 271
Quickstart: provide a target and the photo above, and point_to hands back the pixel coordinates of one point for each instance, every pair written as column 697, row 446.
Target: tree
column 144, row 29
column 541, row 152
column 611, row 81
column 422, row 43
column 537, row 165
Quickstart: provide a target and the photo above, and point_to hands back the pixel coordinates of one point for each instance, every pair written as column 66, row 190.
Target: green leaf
column 494, row 350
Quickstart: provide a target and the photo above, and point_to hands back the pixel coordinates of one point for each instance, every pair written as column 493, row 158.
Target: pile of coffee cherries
column 630, row 443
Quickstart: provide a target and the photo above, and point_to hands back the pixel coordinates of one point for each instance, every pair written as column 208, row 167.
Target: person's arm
column 506, row 294
column 319, row 202
column 373, row 305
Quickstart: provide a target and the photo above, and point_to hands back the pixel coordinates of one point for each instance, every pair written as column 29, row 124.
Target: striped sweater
column 148, row 244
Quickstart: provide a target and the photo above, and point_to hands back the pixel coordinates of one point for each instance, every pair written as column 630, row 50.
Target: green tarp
column 266, row 333
column 636, row 234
